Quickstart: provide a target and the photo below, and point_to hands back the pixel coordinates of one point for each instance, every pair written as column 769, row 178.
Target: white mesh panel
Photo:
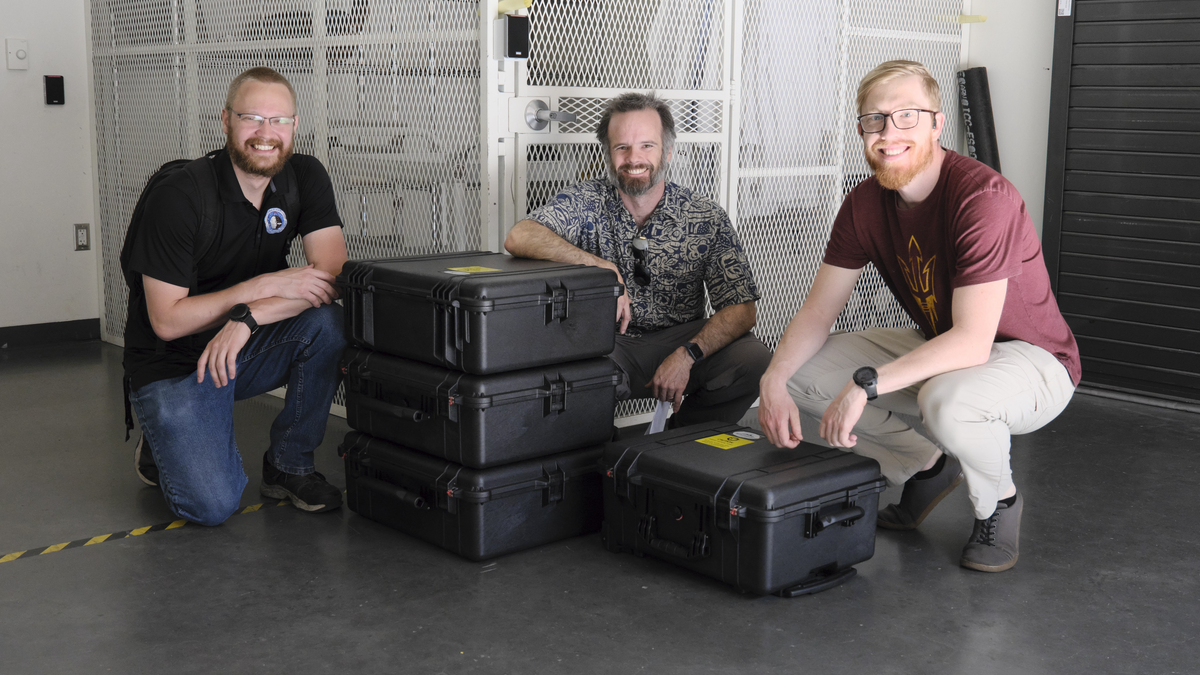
column 691, row 116
column 634, row 44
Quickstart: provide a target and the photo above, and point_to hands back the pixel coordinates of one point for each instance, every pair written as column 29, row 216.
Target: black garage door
column 1122, row 217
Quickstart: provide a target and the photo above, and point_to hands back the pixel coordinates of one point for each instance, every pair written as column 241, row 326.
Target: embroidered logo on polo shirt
column 275, row 220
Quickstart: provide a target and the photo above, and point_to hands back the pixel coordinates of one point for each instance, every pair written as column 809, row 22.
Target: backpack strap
column 203, row 172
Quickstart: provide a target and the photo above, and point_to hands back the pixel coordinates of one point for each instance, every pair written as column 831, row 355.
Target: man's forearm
column 804, row 337
column 198, row 313
column 725, row 326
column 529, row 239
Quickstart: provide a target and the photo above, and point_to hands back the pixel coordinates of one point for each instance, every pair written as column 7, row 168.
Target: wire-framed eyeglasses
column 641, row 272
column 873, row 123
column 252, row 120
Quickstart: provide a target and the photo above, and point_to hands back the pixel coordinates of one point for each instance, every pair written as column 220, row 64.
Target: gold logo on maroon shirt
column 918, row 272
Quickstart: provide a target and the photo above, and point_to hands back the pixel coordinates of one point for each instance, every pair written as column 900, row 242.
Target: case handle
column 699, row 548
column 397, row 411
column 408, row 497
column 846, row 516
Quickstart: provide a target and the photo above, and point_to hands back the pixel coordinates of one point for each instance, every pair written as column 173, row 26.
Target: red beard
column 894, row 178
column 245, row 160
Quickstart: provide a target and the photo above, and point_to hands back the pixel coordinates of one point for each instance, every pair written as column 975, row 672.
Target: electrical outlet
column 83, row 237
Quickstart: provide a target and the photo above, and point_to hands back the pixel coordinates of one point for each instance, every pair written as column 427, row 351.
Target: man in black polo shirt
column 206, row 328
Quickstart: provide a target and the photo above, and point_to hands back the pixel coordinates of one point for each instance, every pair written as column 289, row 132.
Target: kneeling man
column 668, row 245
column 993, row 356
column 216, row 315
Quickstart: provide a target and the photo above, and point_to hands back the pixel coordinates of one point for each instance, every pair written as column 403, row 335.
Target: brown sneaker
column 920, row 496
column 993, row 544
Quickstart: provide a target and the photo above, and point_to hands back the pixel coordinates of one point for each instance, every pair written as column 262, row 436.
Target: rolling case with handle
column 720, row 500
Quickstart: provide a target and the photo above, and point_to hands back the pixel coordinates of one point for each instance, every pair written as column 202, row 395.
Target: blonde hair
column 893, row 70
column 260, row 74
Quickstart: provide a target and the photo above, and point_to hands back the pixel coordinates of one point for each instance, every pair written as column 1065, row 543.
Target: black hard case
column 476, row 514
column 760, row 518
column 480, row 420
column 529, row 313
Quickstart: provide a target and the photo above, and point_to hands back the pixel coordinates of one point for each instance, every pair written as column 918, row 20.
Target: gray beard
column 637, row 188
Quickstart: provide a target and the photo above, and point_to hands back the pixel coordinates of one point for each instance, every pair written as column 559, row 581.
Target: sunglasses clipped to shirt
column 641, row 272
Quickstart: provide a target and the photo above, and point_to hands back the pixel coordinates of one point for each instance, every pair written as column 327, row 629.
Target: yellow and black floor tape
column 175, row 524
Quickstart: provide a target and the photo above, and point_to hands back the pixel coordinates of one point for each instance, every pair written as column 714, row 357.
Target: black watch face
column 864, row 376
column 239, row 312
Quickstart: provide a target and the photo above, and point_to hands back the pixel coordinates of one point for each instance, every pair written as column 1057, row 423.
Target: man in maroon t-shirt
column 993, row 356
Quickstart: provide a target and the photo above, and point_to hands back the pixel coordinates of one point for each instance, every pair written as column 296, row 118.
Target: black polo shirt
column 249, row 242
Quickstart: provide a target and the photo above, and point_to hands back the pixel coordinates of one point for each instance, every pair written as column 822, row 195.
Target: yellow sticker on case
column 724, row 441
column 474, row 269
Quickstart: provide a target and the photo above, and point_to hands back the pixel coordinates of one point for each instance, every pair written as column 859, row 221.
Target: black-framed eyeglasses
column 873, row 123
column 252, row 120
column 641, row 272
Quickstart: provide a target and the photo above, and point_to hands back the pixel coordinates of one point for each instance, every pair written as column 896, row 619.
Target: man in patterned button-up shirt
column 669, row 246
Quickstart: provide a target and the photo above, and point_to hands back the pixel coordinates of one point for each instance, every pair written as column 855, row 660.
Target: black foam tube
column 975, row 99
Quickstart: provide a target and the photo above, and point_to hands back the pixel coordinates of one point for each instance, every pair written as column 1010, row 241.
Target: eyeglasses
column 641, row 273
column 252, row 120
column 873, row 123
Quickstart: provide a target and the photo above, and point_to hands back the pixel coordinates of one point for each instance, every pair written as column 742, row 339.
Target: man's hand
column 778, row 415
column 306, row 283
column 671, row 378
column 220, row 356
column 624, row 310
column 841, row 416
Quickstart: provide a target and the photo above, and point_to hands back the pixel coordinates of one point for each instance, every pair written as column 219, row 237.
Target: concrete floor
column 1107, row 582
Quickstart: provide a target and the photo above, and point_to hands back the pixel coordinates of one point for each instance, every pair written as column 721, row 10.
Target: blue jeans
column 189, row 425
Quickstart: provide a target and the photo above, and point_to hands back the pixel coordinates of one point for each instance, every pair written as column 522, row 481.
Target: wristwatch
column 241, row 313
column 694, row 351
column 867, row 378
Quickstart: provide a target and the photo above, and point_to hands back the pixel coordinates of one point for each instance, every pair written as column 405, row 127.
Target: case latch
column 557, row 309
column 557, row 399
column 555, row 480
column 447, row 495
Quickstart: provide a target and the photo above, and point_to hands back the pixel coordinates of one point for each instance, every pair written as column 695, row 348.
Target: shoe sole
column 279, row 492
column 137, row 465
column 888, row 525
column 988, row 568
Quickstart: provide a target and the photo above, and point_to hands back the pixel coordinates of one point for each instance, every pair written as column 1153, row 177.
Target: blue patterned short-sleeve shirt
column 692, row 246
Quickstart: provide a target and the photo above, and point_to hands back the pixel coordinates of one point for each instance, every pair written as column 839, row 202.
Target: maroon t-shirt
column 972, row 229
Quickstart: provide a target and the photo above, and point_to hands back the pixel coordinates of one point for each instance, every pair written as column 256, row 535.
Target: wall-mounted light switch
column 83, row 237
column 18, row 53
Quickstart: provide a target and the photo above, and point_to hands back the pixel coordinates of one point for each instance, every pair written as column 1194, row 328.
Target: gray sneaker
column 993, row 544
column 143, row 462
column 919, row 498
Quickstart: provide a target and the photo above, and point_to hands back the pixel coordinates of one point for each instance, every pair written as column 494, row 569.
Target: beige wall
column 45, row 170
column 1016, row 45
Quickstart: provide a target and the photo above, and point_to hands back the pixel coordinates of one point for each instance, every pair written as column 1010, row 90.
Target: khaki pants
column 970, row 413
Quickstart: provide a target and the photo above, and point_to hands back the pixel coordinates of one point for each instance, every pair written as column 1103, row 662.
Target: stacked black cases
column 479, row 312
column 476, row 514
column 479, row 391
column 480, row 421
column 721, row 500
